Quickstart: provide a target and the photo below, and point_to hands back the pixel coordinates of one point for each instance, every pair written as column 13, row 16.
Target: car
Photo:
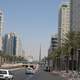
column 6, row 75
column 29, row 70
column 47, row 69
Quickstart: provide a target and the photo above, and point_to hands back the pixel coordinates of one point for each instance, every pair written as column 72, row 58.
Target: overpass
column 30, row 65
column 19, row 65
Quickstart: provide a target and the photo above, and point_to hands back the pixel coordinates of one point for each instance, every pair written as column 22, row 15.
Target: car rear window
column 3, row 72
column 29, row 68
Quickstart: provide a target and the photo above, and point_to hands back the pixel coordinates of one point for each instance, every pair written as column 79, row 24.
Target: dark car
column 47, row 69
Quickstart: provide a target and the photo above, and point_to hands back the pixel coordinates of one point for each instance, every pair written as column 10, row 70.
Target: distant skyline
column 34, row 20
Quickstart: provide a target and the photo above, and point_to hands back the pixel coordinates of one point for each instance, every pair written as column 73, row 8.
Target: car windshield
column 3, row 72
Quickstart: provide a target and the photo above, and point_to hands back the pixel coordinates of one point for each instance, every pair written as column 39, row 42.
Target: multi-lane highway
column 41, row 75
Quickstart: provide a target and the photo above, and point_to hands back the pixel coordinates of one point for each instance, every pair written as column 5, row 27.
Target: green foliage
column 72, row 40
column 68, row 49
column 10, row 58
column 55, row 54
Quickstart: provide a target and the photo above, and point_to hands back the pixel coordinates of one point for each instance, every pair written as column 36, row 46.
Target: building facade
column 9, row 43
column 64, row 23
column 53, row 47
column 54, row 44
column 1, row 28
column 1, row 22
column 19, row 51
column 75, row 15
column 12, row 45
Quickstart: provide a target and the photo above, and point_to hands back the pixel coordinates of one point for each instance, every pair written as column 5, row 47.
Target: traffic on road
column 34, row 74
column 28, row 72
column 38, row 75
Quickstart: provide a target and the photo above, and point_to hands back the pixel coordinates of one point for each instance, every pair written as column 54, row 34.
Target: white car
column 6, row 75
column 29, row 70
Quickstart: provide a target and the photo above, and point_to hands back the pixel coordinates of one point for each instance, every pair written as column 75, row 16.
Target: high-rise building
column 9, row 43
column 1, row 22
column 12, row 45
column 19, row 51
column 64, row 23
column 1, row 28
column 75, row 15
column 6, row 43
column 53, row 47
column 54, row 44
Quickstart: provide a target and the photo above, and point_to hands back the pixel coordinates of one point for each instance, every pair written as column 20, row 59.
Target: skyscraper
column 9, row 44
column 19, row 47
column 64, row 23
column 54, row 44
column 1, row 28
column 12, row 45
column 1, row 22
column 75, row 15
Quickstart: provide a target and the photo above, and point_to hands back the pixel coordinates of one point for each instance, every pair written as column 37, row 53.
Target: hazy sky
column 34, row 20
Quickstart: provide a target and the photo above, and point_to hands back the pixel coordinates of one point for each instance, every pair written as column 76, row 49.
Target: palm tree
column 72, row 43
column 77, row 37
column 66, row 51
column 1, row 56
column 58, row 56
column 55, row 56
column 68, row 46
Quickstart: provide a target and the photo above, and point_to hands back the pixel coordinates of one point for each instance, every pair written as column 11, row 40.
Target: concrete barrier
column 18, row 65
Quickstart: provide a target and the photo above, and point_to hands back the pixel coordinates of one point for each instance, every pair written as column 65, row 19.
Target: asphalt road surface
column 41, row 75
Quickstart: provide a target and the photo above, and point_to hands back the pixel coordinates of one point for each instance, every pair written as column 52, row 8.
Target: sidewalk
column 68, row 76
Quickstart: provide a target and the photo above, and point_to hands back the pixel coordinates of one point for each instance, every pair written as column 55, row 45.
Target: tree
column 68, row 46
column 72, row 43
column 68, row 50
column 55, row 56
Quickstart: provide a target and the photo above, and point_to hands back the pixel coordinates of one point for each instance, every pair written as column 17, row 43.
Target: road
column 41, row 75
